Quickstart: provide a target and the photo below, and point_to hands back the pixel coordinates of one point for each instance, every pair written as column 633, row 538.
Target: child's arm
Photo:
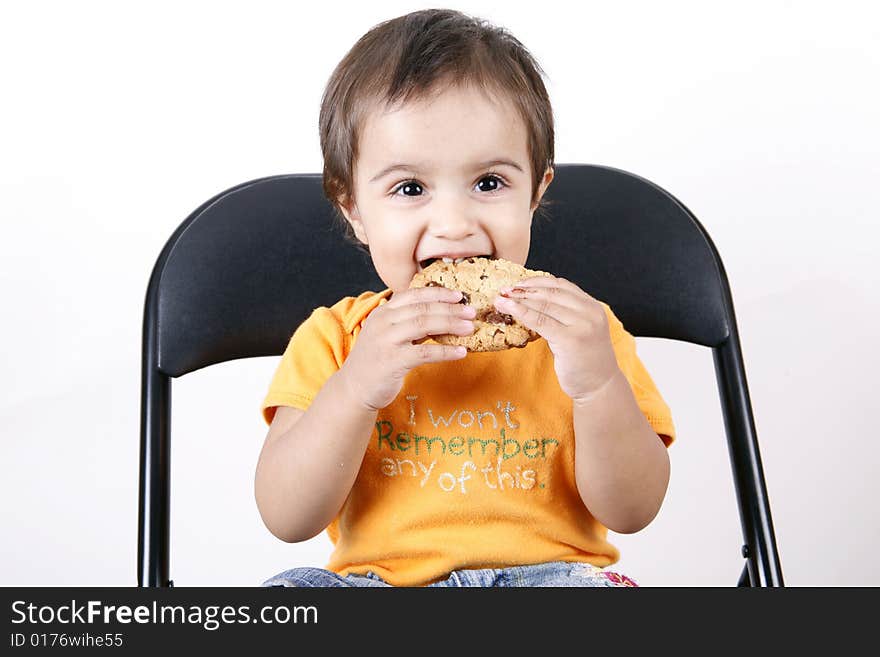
column 309, row 463
column 621, row 464
column 310, row 460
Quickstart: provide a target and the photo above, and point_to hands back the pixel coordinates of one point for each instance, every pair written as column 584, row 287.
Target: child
column 427, row 465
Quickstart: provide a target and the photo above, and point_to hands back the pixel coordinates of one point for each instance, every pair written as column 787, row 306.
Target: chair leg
column 154, row 474
column 759, row 540
column 744, row 579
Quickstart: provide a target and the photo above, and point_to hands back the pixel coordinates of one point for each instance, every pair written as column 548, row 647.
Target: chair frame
column 761, row 568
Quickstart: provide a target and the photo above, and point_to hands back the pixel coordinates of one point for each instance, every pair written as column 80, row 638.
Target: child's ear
column 353, row 217
column 545, row 183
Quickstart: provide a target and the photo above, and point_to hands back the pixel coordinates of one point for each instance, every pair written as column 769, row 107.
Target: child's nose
column 453, row 225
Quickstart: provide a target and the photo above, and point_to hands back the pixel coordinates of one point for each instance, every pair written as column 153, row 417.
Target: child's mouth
column 424, row 264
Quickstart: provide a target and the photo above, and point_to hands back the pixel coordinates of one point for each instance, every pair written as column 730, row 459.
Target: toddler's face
column 442, row 201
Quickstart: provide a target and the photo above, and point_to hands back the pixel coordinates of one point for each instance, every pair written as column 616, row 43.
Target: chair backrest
column 249, row 265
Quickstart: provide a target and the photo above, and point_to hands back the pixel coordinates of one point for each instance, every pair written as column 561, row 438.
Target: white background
column 118, row 119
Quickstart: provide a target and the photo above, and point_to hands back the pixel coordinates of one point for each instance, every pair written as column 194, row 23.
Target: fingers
column 547, row 282
column 427, row 311
column 554, row 312
column 412, row 316
column 433, row 293
column 541, row 298
column 417, row 326
column 540, row 315
column 419, row 311
column 419, row 354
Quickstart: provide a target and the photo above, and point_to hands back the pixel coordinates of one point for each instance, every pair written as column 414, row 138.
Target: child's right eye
column 405, row 184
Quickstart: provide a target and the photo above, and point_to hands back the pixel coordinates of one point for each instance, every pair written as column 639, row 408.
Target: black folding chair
column 249, row 265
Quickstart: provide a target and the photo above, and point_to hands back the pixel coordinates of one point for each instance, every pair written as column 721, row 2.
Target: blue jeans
column 552, row 573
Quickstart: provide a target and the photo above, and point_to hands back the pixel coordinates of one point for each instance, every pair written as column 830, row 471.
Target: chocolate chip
column 495, row 317
column 465, row 298
column 433, row 284
column 483, row 277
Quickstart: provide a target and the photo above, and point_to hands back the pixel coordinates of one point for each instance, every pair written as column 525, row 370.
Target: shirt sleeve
column 314, row 353
column 648, row 397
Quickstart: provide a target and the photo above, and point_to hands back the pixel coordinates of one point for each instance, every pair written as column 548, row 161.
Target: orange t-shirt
column 471, row 466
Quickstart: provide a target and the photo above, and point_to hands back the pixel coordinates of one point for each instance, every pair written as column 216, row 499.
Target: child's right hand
column 384, row 352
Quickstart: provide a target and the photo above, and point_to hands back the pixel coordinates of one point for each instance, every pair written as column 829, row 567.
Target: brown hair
column 412, row 57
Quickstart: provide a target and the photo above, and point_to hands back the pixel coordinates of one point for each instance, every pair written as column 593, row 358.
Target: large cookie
column 480, row 279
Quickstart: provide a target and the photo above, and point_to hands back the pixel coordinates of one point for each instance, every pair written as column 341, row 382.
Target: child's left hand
column 574, row 325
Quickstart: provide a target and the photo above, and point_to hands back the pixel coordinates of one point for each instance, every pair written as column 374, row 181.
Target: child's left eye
column 497, row 179
column 410, row 184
